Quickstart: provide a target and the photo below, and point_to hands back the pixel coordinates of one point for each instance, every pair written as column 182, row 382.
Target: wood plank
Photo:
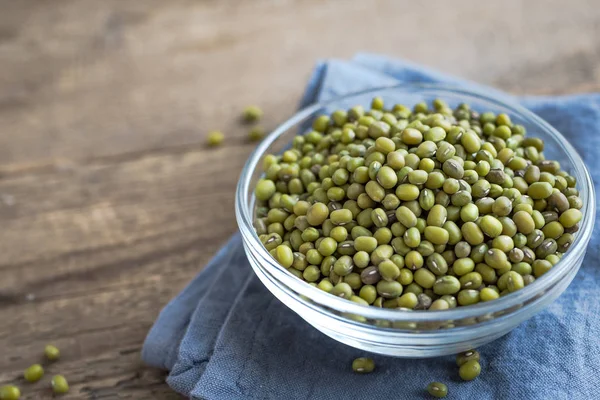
column 83, row 79
column 65, row 213
column 106, row 187
column 99, row 351
column 95, row 250
column 101, row 378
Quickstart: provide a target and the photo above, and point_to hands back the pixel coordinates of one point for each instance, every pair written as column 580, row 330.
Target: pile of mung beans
column 427, row 208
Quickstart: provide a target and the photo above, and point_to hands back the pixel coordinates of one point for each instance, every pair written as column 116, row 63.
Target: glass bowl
column 414, row 333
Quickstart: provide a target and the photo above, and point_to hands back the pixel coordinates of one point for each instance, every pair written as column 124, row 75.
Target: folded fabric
column 226, row 337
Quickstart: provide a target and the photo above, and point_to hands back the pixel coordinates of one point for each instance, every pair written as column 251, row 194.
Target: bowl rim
column 244, row 213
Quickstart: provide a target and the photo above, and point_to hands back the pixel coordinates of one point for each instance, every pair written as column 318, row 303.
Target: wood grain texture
column 106, row 187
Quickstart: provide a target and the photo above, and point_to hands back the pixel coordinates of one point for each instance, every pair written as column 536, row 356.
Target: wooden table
column 109, row 200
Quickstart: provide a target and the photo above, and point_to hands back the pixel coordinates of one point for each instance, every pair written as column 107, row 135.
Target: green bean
column 363, row 365
column 10, row 392
column 254, row 113
column 215, row 138
column 389, row 290
column 59, row 384
column 446, row 285
column 34, row 373
column 469, row 370
column 464, row 357
column 407, row 300
column 52, row 352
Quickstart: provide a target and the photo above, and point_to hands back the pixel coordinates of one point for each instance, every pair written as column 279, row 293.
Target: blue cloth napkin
column 226, row 337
